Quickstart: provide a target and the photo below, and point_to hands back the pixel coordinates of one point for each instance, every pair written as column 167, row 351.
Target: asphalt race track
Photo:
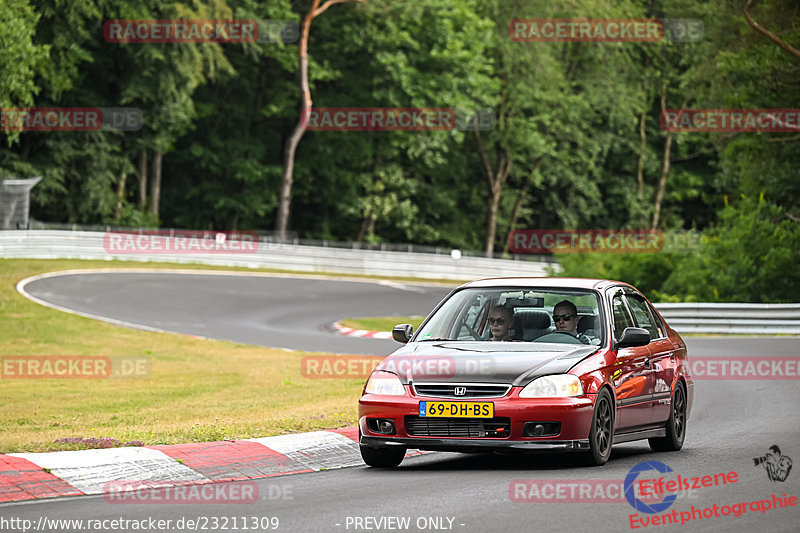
column 281, row 312
column 732, row 422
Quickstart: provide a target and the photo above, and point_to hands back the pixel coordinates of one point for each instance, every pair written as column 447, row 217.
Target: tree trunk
column 120, row 196
column 287, row 178
column 495, row 181
column 642, row 146
column 362, row 231
column 143, row 179
column 491, row 221
column 155, row 186
column 518, row 202
column 662, row 180
column 768, row 34
column 495, row 191
column 514, row 216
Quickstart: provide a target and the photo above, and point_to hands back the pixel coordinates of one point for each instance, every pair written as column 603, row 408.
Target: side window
column 662, row 331
column 641, row 313
column 622, row 319
column 472, row 319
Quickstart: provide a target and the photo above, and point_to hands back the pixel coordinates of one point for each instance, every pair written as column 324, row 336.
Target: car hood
column 483, row 362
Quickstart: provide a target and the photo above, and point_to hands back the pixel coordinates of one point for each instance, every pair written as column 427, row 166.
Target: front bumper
column 476, row 445
column 574, row 415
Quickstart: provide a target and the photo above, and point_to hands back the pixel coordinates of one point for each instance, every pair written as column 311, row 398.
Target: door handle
column 672, row 356
column 647, row 362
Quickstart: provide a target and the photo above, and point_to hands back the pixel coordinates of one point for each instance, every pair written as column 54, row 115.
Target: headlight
column 381, row 382
column 556, row 386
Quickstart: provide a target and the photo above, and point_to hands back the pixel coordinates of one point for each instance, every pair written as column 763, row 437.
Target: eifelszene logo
column 637, row 503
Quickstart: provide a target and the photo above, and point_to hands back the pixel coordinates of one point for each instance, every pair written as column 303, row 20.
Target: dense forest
column 577, row 139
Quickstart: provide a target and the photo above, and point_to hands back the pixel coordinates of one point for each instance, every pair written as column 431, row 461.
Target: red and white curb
column 25, row 476
column 342, row 330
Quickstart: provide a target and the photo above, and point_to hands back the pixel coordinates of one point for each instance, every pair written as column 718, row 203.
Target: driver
column 565, row 317
column 500, row 320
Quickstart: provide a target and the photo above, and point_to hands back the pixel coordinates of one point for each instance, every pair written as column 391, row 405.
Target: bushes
column 645, row 271
column 752, row 254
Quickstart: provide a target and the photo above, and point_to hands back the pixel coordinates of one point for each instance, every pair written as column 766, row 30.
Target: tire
column 601, row 434
column 383, row 457
column 676, row 425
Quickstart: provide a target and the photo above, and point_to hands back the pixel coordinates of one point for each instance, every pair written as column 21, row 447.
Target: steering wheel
column 584, row 340
column 563, row 332
column 572, row 336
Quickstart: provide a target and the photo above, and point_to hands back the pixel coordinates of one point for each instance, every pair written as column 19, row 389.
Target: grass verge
column 381, row 323
column 198, row 390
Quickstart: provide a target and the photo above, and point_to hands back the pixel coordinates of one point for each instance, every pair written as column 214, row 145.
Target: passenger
column 500, row 320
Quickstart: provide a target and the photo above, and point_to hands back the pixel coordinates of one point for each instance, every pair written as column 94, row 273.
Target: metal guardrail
column 740, row 318
column 57, row 244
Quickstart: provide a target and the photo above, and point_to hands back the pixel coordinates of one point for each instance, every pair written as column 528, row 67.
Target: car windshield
column 523, row 314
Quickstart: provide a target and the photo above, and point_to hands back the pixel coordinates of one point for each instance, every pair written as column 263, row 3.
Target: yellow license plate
column 457, row 409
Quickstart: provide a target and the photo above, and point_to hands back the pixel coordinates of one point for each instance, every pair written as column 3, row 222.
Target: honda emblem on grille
column 460, row 391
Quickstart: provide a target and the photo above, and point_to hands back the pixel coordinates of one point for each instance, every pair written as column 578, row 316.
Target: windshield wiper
column 435, row 339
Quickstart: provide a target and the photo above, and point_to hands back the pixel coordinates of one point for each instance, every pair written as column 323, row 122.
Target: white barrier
column 58, row 244
column 732, row 317
column 684, row 317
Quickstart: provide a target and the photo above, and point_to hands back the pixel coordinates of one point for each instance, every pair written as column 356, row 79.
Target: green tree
column 21, row 58
column 750, row 255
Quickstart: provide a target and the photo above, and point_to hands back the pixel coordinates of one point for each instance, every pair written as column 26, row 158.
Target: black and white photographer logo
column 777, row 466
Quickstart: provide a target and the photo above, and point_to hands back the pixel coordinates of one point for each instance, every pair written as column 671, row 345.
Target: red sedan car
column 530, row 364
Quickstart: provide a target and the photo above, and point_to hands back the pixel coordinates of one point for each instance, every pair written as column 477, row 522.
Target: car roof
column 544, row 282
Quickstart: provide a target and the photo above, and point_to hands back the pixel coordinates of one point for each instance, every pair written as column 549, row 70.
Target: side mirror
column 633, row 337
column 403, row 332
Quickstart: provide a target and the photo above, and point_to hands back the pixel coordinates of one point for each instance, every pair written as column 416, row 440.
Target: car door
column 632, row 378
column 662, row 354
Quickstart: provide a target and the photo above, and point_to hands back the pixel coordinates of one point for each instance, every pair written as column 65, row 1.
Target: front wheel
column 383, row 457
column 676, row 425
column 601, row 434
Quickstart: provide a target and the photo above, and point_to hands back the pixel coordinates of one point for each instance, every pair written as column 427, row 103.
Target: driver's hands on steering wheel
column 565, row 332
column 580, row 336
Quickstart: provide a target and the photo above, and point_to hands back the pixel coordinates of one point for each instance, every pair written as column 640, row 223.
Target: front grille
column 422, row 426
column 470, row 390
